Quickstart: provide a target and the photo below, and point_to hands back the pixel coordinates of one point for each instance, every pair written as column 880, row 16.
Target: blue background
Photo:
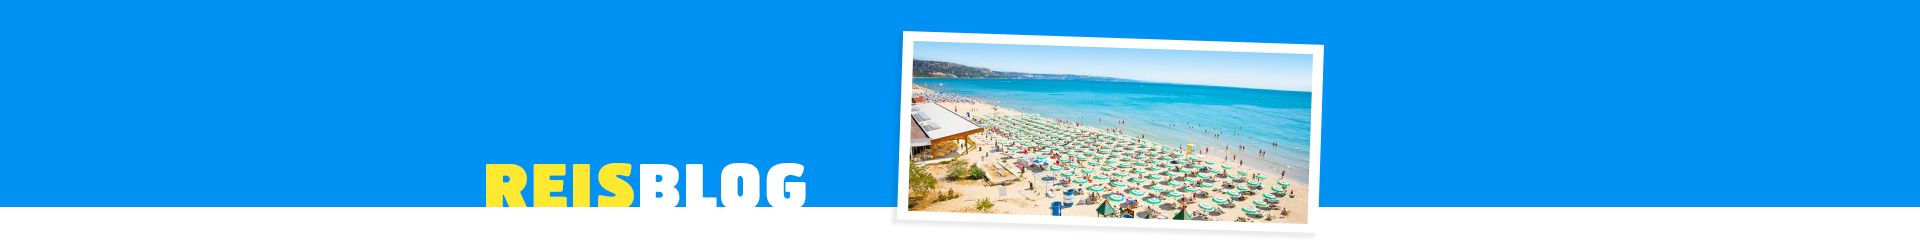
column 331, row 103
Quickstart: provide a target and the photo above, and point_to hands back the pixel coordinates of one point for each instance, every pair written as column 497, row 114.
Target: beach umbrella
column 1206, row 185
column 1180, row 216
column 1219, row 200
column 1215, row 170
column 1278, row 189
column 1241, row 188
column 1176, row 194
column 1190, row 189
column 1154, row 201
column 1261, row 177
column 1186, row 170
column 1097, row 188
column 1137, row 193
column 1126, row 165
column 1261, row 203
column 1120, row 174
column 1284, row 184
column 1053, row 168
column 1157, row 188
column 1136, row 180
column 1117, row 184
column 1233, row 193
column 1116, row 197
column 1086, row 170
column 1080, row 181
column 1066, row 174
column 1249, row 210
column 1207, row 207
column 1155, row 177
column 1270, row 196
column 1187, row 179
column 1104, row 208
column 1105, row 168
column 1100, row 177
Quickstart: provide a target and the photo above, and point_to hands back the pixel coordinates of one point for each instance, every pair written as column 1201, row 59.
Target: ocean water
column 1171, row 114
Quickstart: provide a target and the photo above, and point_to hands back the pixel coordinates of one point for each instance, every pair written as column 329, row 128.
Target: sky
column 1277, row 71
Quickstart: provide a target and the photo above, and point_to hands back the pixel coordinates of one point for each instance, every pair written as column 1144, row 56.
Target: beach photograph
column 1111, row 133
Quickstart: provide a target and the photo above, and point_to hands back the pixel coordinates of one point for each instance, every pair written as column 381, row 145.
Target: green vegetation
column 963, row 171
column 919, row 182
column 938, row 69
column 983, row 205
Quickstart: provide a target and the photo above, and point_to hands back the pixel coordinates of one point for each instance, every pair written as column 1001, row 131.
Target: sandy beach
column 1129, row 174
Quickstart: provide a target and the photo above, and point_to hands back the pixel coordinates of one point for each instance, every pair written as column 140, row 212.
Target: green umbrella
column 1117, row 184
column 1080, row 181
column 1207, row 207
column 1155, row 177
column 1120, row 174
column 1136, row 180
column 1140, row 171
column 1116, row 197
column 1157, row 188
column 1234, row 194
column 1154, row 201
column 1219, row 200
column 1136, row 193
column 1176, row 194
column 1100, row 177
column 1284, row 183
column 1190, row 189
column 1186, row 170
column 1097, row 188
column 1106, row 168
column 1241, row 188
column 1188, row 179
column 1261, row 203
column 1270, row 196
column 1249, row 210
column 1278, row 189
column 1126, row 165
column 1180, row 216
column 1066, row 174
column 1206, row 185
column 1053, row 168
column 1104, row 208
column 1261, row 177
column 1084, row 170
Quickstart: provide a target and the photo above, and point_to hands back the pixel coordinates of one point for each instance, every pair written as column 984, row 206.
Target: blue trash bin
column 1056, row 208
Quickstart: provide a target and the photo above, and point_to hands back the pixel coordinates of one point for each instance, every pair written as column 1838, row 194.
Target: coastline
column 1037, row 188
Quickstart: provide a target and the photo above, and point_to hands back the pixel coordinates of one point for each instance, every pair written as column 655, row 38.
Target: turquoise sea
column 1172, row 114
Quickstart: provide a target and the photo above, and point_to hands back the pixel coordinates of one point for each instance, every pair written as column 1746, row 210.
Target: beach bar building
column 937, row 132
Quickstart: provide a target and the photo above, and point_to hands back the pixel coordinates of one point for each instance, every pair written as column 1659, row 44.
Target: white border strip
column 906, row 91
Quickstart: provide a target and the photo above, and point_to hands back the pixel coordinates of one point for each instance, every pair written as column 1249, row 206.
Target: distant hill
column 938, row 69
